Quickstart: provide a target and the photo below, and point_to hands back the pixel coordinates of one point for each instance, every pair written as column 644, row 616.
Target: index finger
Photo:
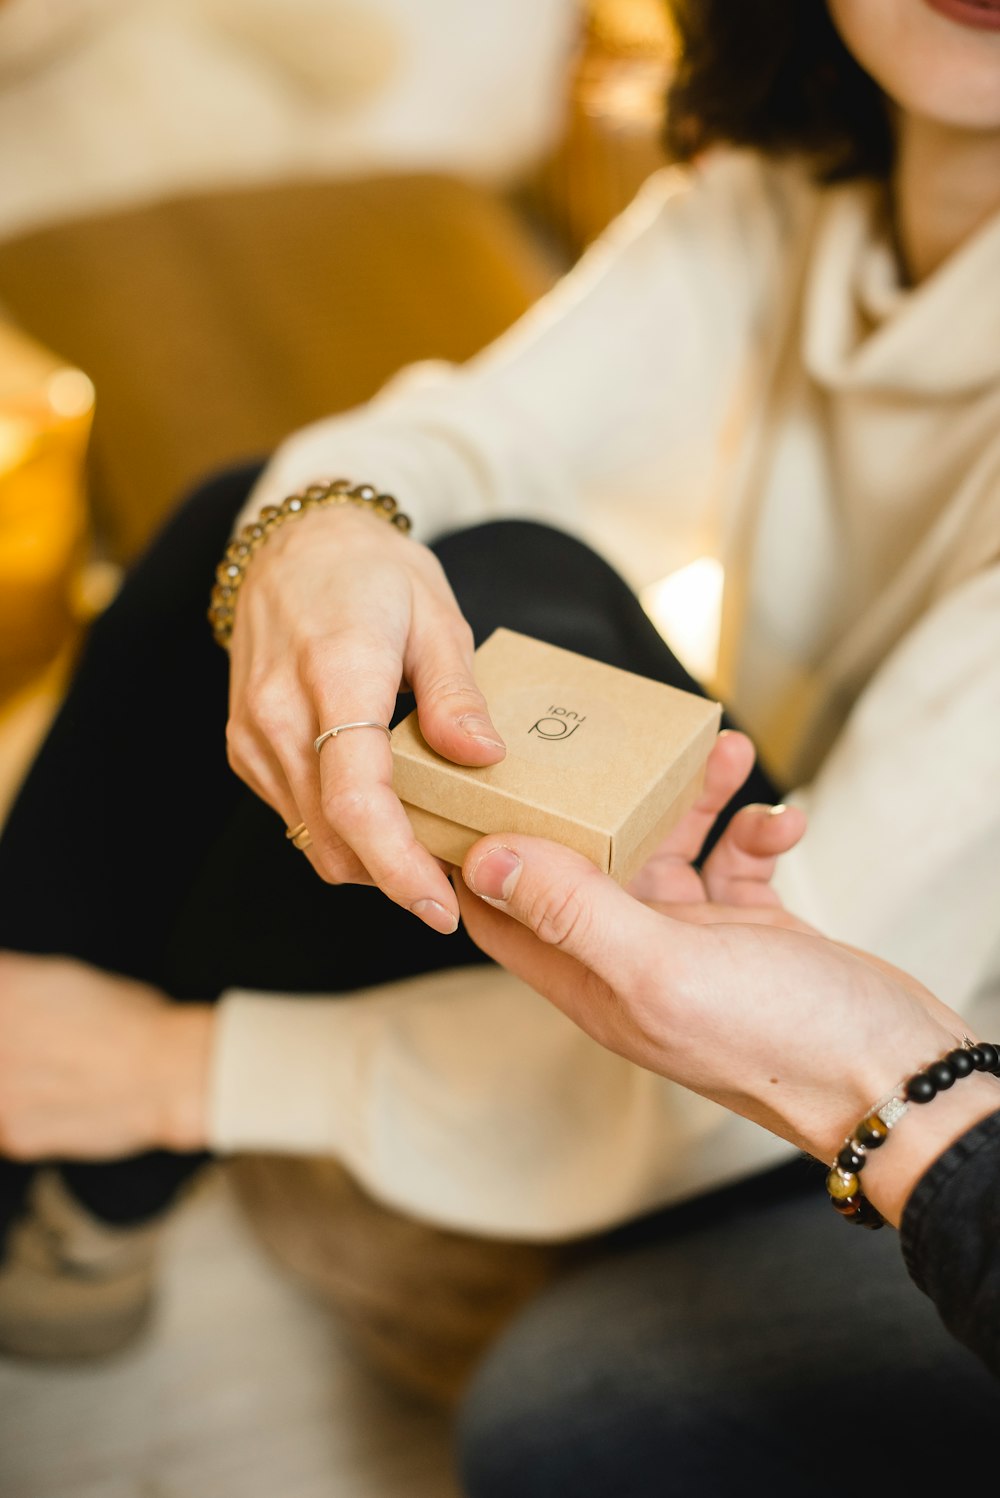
column 356, row 798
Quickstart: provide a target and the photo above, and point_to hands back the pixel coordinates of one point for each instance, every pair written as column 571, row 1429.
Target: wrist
column 898, row 1138
column 921, row 1137
column 181, row 1062
column 875, row 1074
column 336, row 494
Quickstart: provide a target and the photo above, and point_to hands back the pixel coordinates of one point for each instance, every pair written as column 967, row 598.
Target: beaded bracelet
column 843, row 1182
column 230, row 572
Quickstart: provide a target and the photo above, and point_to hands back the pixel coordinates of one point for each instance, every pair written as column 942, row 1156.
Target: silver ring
column 331, row 733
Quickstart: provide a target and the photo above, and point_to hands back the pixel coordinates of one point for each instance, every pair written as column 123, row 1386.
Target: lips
column 980, row 15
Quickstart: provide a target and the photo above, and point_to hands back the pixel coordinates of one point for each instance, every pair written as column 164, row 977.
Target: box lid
column 595, row 755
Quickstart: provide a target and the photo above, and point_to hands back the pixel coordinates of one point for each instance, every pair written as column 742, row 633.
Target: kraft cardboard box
column 599, row 759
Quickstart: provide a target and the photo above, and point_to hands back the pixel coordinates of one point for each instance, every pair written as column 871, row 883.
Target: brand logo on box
column 558, row 723
column 534, row 720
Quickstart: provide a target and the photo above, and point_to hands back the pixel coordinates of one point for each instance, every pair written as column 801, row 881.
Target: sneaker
column 72, row 1286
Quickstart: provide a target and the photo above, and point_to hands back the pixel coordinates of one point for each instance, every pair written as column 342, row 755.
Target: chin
column 938, row 59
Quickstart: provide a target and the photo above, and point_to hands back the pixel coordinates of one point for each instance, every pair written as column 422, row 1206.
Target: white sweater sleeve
column 464, row 1099
column 902, row 852
column 601, row 409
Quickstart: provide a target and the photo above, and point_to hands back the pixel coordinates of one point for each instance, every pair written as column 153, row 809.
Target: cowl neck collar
column 864, row 329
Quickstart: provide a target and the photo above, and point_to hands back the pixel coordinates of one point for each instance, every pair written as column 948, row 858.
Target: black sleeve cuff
column 950, row 1238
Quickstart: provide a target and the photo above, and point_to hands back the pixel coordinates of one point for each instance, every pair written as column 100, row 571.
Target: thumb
column 566, row 902
column 453, row 715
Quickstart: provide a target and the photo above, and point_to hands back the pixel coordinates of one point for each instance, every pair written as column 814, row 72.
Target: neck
column 944, row 186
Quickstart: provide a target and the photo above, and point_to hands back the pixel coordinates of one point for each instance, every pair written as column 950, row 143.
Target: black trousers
column 133, row 846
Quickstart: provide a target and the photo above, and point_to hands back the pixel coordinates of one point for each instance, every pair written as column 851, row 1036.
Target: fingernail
column 481, row 729
column 777, row 810
column 434, row 915
column 496, row 874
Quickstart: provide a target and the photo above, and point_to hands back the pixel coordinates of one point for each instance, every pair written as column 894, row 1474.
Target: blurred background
column 219, row 220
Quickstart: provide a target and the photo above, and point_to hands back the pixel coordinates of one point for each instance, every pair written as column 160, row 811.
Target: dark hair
column 775, row 75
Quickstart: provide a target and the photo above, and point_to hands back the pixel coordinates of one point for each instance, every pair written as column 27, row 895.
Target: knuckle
column 318, row 661
column 238, row 744
column 430, row 570
column 267, row 703
column 346, row 806
column 452, row 688
column 561, row 917
column 464, row 638
column 359, row 667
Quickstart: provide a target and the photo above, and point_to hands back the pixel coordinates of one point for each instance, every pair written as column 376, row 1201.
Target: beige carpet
column 241, row 1389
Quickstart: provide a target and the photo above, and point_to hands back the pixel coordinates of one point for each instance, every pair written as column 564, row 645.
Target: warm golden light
column 69, row 393
column 46, row 410
column 686, row 607
column 17, row 436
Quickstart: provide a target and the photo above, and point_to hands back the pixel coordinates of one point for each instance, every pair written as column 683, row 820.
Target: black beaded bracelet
column 843, row 1182
column 229, row 574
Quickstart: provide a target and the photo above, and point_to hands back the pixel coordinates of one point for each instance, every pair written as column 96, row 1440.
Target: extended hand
column 748, row 1008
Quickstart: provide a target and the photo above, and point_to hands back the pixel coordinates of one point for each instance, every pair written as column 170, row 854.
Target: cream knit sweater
column 734, row 369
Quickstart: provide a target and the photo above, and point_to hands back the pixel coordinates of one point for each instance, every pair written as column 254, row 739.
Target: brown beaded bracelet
column 231, row 570
column 843, row 1182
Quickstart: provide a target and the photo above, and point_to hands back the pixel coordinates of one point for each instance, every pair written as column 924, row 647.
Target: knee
column 538, row 1420
column 506, row 1435
column 541, row 581
column 523, row 554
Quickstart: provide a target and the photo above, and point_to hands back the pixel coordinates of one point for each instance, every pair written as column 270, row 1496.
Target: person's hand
column 94, row 1066
column 337, row 613
column 739, row 869
column 779, row 1024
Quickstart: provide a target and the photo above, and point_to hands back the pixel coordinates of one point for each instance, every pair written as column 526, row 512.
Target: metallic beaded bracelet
column 231, row 570
column 843, row 1181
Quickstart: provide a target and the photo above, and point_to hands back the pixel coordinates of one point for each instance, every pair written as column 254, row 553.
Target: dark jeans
column 133, row 846
column 750, row 1343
